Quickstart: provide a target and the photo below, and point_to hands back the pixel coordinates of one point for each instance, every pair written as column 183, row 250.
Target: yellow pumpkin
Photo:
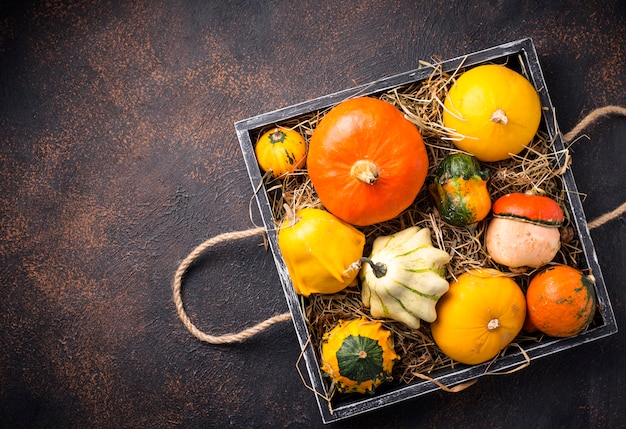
column 358, row 355
column 280, row 150
column 494, row 112
column 482, row 312
column 321, row 251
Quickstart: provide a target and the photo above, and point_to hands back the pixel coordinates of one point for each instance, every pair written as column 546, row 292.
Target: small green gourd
column 460, row 190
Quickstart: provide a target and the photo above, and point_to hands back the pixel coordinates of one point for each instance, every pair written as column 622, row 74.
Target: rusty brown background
column 118, row 156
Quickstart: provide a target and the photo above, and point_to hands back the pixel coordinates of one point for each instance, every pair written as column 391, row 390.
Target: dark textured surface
column 118, row 156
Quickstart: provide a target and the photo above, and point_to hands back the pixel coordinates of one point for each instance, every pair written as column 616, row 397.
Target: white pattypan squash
column 404, row 277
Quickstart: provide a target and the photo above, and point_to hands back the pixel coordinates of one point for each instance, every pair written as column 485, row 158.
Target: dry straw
column 535, row 170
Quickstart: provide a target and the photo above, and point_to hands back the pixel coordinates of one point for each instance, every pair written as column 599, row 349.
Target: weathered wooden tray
column 522, row 53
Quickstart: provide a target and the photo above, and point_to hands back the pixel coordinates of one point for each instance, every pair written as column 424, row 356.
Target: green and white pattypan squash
column 404, row 277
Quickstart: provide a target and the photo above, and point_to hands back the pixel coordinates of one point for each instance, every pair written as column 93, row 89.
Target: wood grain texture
column 118, row 156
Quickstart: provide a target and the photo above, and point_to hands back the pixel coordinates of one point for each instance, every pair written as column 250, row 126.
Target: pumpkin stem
column 493, row 324
column 364, row 171
column 379, row 268
column 499, row 117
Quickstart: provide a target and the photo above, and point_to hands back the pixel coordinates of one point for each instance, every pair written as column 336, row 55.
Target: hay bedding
column 536, row 169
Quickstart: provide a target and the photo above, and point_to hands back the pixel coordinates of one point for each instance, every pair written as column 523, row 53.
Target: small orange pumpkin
column 366, row 161
column 561, row 301
column 482, row 312
column 524, row 231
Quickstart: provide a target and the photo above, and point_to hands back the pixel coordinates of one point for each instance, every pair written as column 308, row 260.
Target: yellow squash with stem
column 320, row 250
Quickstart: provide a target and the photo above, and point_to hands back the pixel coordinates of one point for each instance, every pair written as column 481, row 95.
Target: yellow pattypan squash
column 320, row 250
column 482, row 312
column 358, row 355
column 404, row 278
column 494, row 112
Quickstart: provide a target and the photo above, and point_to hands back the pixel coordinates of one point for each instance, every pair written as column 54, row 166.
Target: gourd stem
column 493, row 324
column 277, row 136
column 499, row 117
column 379, row 268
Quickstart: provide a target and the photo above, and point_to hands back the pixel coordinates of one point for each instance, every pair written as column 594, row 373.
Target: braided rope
column 178, row 301
column 593, row 116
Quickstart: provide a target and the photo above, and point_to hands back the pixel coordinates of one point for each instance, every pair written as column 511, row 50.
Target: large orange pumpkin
column 366, row 161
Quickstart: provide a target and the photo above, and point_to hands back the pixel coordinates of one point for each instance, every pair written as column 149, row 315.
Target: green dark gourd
column 360, row 358
column 460, row 190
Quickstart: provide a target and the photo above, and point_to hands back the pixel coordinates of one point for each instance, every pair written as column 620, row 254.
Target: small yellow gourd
column 280, row 150
column 494, row 112
column 358, row 355
column 320, row 250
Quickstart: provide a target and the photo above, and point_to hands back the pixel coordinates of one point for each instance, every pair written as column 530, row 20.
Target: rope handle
column 178, row 300
column 592, row 117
